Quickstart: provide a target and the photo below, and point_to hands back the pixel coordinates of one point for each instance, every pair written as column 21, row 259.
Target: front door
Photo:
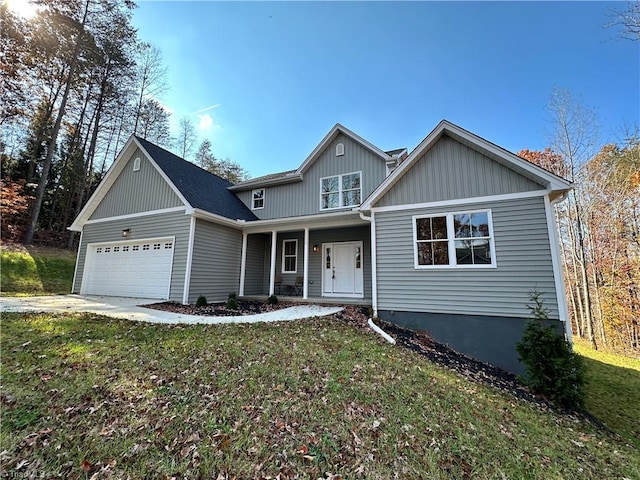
column 342, row 270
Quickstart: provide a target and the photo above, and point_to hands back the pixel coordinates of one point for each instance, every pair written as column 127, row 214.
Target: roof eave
column 248, row 185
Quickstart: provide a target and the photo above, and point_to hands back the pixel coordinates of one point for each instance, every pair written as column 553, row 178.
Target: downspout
column 374, row 266
column 381, row 332
column 554, row 234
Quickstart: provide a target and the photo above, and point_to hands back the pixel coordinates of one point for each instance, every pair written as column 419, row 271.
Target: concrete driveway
column 129, row 309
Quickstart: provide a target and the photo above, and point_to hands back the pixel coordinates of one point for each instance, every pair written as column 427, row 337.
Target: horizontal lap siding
column 135, row 192
column 215, row 266
column 523, row 257
column 451, row 170
column 254, row 272
column 163, row 225
column 303, row 198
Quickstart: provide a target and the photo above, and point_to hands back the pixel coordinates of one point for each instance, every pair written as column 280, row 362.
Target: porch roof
column 326, row 220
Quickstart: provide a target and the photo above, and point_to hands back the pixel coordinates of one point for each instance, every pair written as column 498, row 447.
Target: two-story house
column 451, row 238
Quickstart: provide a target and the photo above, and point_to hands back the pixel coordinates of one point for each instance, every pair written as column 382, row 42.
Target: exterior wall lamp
column 125, row 232
column 316, row 248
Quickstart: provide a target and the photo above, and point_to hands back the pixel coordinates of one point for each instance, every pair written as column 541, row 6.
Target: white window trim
column 136, row 164
column 340, row 191
column 339, row 149
column 253, row 199
column 295, row 240
column 451, row 241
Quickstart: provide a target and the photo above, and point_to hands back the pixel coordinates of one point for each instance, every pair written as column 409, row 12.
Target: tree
column 628, row 20
column 226, row 169
column 186, row 138
column 151, row 78
column 154, row 123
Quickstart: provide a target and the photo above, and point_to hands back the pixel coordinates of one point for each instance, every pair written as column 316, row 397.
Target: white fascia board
column 329, row 137
column 136, row 215
column 248, row 185
column 212, row 217
column 110, row 178
column 327, row 220
column 462, row 201
column 551, row 181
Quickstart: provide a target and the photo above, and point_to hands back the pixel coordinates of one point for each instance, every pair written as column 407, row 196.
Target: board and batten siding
column 215, row 265
column 523, row 257
column 451, row 170
column 175, row 224
column 134, row 192
column 303, row 198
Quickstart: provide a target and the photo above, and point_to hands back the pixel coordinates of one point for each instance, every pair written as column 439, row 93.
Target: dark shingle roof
column 203, row 190
column 391, row 153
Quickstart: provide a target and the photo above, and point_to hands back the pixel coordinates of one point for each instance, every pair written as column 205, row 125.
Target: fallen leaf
column 86, row 466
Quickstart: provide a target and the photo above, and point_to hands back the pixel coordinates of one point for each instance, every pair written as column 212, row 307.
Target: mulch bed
column 245, row 307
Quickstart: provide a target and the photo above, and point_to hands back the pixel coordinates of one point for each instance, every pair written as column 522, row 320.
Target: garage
column 139, row 268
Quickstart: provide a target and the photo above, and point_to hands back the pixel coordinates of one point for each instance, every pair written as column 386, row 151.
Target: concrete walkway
column 129, row 309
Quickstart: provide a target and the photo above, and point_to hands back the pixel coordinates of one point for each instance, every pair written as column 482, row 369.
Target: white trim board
column 462, row 201
column 136, row 215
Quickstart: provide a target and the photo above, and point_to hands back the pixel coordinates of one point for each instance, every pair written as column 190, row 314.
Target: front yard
column 86, row 396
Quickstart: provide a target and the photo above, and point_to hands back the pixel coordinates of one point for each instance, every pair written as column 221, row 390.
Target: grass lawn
column 613, row 390
column 35, row 271
column 84, row 395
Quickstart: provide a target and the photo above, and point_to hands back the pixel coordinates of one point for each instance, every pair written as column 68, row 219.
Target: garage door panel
column 130, row 269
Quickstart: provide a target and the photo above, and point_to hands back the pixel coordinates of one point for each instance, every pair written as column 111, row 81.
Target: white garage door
column 129, row 269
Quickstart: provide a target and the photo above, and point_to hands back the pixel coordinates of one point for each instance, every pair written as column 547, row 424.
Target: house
column 451, row 238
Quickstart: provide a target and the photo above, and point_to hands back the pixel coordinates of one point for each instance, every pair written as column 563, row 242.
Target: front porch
column 312, row 300
column 319, row 263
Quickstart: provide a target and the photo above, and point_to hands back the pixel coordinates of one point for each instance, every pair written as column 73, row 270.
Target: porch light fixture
column 316, row 248
column 125, row 232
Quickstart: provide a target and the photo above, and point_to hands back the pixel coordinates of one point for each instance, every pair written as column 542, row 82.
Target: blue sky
column 282, row 74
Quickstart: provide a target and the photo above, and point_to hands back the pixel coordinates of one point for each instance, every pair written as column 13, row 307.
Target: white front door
column 343, row 268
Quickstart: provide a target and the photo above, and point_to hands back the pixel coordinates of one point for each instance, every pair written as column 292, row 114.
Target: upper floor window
column 136, row 164
column 454, row 240
column 340, row 191
column 257, row 199
column 339, row 149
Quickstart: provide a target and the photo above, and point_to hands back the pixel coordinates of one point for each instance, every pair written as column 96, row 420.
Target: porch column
column 305, row 284
column 243, row 263
column 272, row 274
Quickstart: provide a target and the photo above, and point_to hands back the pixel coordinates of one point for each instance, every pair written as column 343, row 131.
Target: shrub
column 553, row 368
column 272, row 300
column 202, row 301
column 232, row 302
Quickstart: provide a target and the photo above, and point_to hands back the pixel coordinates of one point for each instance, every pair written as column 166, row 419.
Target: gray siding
column 215, row 266
column 254, row 280
column 351, row 234
column 168, row 224
column 523, row 256
column 303, row 198
column 451, row 170
column 134, row 192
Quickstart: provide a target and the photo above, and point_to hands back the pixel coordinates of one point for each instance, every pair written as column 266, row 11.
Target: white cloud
column 205, row 122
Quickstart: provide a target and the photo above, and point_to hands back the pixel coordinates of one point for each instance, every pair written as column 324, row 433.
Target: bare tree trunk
column 35, row 214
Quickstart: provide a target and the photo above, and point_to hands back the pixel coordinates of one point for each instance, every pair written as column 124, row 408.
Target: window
column 454, row 240
column 125, row 248
column 340, row 191
column 339, row 149
column 289, row 256
column 136, row 164
column 257, row 199
column 99, row 250
column 135, row 248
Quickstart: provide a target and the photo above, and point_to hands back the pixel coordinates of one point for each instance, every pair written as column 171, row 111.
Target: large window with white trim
column 461, row 239
column 340, row 191
column 290, row 256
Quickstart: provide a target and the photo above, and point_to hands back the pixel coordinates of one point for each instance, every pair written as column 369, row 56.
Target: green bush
column 553, row 368
column 232, row 302
column 202, row 301
column 272, row 300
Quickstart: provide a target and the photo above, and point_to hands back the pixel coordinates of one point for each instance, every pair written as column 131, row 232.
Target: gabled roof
column 197, row 188
column 552, row 182
column 296, row 175
column 202, row 190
